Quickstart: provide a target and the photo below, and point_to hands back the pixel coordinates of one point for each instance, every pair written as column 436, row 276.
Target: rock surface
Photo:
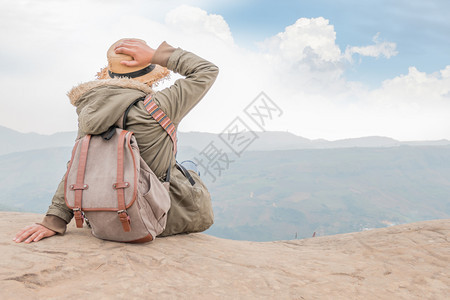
column 409, row 261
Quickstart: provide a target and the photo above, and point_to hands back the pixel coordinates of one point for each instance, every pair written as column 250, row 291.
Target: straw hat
column 150, row 74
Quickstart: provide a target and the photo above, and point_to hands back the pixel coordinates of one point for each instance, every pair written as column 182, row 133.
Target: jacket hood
column 76, row 93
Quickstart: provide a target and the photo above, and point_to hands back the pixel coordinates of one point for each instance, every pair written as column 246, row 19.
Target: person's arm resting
column 58, row 214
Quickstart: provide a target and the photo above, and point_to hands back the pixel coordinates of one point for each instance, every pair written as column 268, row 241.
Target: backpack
column 110, row 186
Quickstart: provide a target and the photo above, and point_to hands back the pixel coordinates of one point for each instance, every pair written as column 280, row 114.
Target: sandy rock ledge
column 409, row 261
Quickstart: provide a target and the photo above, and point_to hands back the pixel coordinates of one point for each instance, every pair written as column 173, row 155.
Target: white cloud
column 303, row 38
column 308, row 53
column 418, row 86
column 193, row 20
column 386, row 49
column 307, row 47
column 406, row 107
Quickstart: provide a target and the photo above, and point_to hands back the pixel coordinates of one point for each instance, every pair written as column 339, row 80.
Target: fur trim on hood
column 77, row 92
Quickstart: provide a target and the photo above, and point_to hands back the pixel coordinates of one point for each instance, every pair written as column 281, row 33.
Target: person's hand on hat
column 142, row 53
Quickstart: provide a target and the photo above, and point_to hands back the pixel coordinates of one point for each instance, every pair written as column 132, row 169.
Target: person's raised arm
column 178, row 99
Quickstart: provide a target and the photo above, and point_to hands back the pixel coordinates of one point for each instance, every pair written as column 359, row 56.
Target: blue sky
column 338, row 69
column 421, row 29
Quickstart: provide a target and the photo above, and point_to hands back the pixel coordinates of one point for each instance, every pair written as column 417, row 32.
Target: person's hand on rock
column 33, row 233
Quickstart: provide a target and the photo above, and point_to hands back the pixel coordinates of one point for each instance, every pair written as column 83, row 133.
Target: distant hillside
column 278, row 140
column 14, row 141
column 273, row 195
column 280, row 194
column 29, row 179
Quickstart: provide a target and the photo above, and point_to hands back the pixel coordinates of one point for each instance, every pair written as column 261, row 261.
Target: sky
column 336, row 69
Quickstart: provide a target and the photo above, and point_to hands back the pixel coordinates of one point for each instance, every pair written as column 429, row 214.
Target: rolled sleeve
column 54, row 223
column 162, row 54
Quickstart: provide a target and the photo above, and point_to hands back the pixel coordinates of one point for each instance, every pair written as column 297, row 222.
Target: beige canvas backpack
column 109, row 185
column 133, row 207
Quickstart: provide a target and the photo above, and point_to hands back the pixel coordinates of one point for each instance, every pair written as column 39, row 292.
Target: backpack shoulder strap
column 163, row 120
column 125, row 114
column 107, row 135
column 157, row 114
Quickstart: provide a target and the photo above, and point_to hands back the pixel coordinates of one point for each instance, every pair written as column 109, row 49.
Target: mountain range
column 264, row 194
column 14, row 141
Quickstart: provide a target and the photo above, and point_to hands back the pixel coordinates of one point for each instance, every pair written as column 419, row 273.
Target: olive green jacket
column 101, row 103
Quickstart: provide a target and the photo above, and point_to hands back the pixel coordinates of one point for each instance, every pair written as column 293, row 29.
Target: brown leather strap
column 78, row 217
column 125, row 220
column 120, row 185
column 79, row 186
column 145, row 239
